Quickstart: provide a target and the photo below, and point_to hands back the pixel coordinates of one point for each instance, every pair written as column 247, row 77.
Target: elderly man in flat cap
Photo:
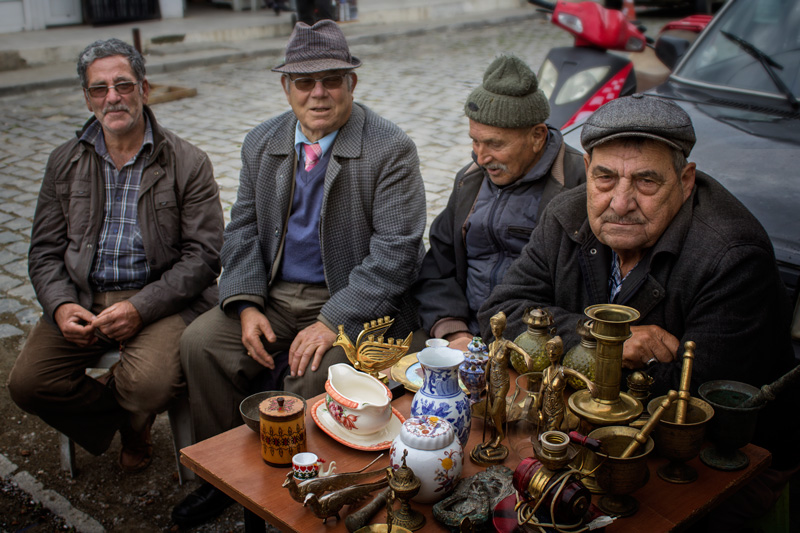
column 519, row 165
column 651, row 232
column 326, row 231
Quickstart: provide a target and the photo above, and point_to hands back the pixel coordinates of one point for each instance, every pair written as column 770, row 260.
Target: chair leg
column 67, row 450
column 180, row 421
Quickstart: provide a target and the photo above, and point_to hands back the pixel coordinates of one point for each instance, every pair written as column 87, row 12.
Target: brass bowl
column 617, row 476
column 680, row 442
column 249, row 409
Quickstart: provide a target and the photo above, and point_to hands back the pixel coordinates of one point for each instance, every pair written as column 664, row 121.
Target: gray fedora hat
column 640, row 115
column 317, row 48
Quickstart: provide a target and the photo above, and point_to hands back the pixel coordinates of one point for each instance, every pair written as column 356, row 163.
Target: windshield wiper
column 768, row 63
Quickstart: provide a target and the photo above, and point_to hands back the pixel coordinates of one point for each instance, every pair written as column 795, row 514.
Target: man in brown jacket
column 124, row 254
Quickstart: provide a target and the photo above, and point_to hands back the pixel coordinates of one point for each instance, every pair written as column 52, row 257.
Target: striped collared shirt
column 120, row 263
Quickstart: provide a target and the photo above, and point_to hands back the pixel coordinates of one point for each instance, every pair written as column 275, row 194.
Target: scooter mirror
column 670, row 49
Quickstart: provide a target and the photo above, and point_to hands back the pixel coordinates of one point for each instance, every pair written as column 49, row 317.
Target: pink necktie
column 313, row 153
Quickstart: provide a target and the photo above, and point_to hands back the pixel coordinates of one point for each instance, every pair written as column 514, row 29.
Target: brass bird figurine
column 371, row 353
column 320, row 485
column 330, row 504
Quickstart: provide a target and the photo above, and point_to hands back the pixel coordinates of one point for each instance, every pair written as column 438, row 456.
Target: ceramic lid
column 280, row 406
column 427, row 433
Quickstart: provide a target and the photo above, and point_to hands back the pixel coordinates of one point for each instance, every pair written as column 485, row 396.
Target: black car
column 738, row 83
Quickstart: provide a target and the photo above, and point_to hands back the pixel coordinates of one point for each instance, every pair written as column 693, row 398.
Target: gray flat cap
column 640, row 115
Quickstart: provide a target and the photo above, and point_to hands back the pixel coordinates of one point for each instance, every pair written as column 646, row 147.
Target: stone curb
column 53, row 501
column 164, row 64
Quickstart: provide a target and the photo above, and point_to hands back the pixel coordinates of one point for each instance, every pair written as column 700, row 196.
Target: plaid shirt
column 120, row 263
column 616, row 278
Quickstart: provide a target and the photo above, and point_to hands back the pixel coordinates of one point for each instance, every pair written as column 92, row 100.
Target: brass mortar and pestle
column 736, row 406
column 681, row 431
column 623, row 461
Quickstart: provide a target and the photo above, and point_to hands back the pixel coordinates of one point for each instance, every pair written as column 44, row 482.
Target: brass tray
column 408, row 371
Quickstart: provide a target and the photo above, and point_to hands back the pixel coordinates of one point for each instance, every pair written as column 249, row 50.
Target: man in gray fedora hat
column 651, row 232
column 519, row 164
column 326, row 231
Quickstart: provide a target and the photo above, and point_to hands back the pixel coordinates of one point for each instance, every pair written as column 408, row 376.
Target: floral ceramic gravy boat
column 357, row 402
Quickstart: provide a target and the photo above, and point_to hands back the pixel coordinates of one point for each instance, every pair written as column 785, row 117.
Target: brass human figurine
column 550, row 403
column 497, row 382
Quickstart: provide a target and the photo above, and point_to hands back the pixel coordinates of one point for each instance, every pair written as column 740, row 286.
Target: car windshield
column 770, row 26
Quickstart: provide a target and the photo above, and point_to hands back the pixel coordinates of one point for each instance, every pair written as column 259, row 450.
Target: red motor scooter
column 580, row 78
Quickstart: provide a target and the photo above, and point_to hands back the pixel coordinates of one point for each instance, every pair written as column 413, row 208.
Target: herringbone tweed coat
column 371, row 222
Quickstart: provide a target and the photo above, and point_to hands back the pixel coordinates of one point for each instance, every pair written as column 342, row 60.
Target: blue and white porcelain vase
column 440, row 394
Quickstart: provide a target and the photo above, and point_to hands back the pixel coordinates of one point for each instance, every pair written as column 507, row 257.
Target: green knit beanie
column 509, row 97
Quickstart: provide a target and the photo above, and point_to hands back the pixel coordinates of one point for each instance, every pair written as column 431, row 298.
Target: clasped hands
column 308, row 346
column 118, row 322
column 649, row 345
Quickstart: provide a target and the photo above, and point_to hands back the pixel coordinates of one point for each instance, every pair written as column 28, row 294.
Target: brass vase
column 533, row 340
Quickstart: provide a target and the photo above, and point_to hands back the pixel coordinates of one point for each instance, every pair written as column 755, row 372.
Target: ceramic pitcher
column 440, row 394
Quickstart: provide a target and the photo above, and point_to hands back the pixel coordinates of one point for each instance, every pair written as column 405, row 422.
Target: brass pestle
column 686, row 378
column 641, row 437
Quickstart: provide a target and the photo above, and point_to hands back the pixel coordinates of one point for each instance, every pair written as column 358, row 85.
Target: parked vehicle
column 580, row 78
column 739, row 83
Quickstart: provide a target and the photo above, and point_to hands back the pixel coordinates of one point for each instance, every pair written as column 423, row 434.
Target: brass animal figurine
column 330, row 504
column 320, row 485
column 372, row 353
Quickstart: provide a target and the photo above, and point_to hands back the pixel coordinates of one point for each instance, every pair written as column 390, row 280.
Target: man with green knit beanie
column 519, row 165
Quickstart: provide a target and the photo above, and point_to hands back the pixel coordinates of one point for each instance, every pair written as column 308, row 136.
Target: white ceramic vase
column 434, row 454
column 440, row 394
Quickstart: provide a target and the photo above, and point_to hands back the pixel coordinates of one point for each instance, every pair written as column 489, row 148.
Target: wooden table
column 232, row 462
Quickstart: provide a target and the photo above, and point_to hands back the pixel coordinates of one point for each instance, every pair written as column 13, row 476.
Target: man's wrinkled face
column 321, row 110
column 633, row 193
column 119, row 114
column 507, row 154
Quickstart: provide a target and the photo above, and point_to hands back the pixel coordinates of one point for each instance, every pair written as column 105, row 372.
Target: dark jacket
column 371, row 222
column 711, row 278
column 442, row 284
column 179, row 215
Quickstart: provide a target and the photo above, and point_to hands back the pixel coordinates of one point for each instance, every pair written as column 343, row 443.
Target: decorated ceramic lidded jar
column 473, row 370
column 533, row 340
column 283, row 429
column 441, row 394
column 434, row 454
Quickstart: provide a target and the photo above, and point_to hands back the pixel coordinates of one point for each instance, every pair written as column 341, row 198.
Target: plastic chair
column 180, row 422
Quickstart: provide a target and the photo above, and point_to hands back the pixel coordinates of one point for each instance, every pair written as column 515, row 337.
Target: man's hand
column 459, row 340
column 255, row 325
column 120, row 321
column 648, row 343
column 75, row 324
column 309, row 346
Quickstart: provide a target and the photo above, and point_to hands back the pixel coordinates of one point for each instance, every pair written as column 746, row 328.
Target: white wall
column 12, row 16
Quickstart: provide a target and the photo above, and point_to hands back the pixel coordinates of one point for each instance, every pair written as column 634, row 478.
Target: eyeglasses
column 123, row 87
column 308, row 84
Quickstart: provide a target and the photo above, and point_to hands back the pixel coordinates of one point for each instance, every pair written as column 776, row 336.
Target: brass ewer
column 372, row 353
column 609, row 407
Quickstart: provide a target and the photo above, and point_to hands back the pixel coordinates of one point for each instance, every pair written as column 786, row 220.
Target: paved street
column 420, row 83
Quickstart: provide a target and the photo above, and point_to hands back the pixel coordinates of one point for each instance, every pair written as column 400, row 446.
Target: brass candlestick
column 609, row 406
column 405, row 485
column 372, row 353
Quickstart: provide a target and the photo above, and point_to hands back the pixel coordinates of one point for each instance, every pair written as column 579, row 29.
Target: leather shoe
column 200, row 506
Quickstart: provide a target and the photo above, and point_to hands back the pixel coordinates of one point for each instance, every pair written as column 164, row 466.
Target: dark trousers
column 49, row 378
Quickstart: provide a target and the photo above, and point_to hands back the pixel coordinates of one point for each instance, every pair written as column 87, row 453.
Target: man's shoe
column 200, row 506
column 136, row 453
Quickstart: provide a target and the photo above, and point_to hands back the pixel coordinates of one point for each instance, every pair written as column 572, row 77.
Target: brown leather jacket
column 180, row 218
